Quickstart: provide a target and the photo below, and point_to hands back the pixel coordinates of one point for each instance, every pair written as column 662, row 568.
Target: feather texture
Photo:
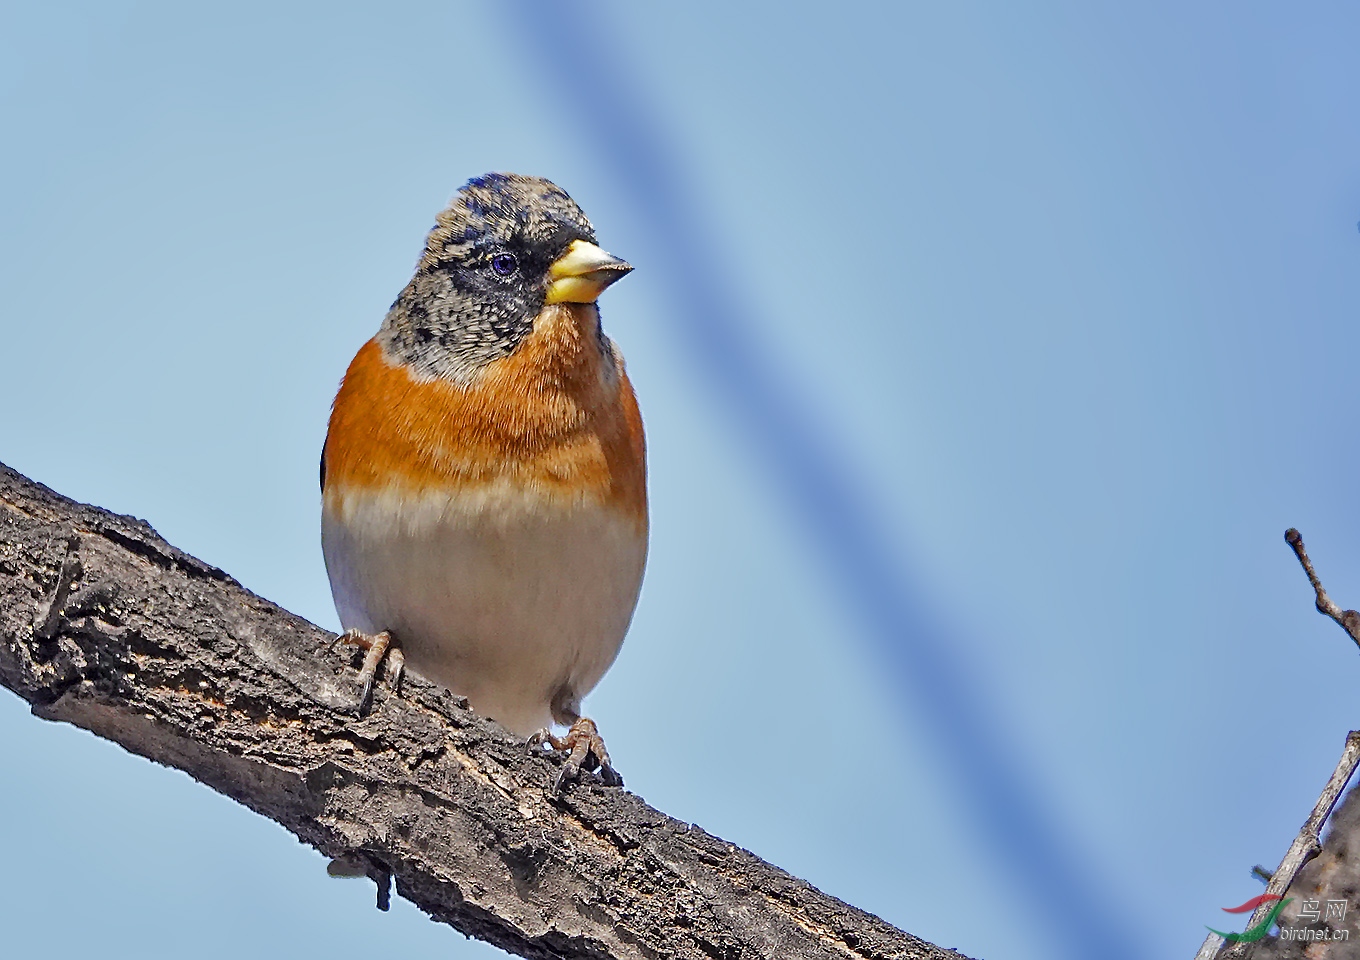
column 498, row 528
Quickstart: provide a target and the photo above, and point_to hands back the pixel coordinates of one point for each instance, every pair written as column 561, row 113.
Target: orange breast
column 547, row 419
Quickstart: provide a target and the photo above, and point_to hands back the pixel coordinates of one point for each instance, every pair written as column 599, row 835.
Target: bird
column 484, row 517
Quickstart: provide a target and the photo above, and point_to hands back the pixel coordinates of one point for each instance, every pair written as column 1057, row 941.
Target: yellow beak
column 581, row 274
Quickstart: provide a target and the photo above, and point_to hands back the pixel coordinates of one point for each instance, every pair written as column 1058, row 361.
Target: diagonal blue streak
column 1065, row 903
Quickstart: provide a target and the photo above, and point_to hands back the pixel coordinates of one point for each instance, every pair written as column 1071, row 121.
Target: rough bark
column 105, row 625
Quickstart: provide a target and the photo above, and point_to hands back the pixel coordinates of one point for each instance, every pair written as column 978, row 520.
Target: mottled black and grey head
column 505, row 247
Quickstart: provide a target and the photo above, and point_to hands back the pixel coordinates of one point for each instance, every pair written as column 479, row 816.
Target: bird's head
column 506, row 247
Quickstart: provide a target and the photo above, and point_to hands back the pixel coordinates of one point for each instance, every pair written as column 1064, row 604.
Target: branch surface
column 106, row 626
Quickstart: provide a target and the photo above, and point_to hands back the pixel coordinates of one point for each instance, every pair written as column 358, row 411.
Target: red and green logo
column 1255, row 933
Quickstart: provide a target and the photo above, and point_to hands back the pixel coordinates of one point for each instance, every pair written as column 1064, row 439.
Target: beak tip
column 583, row 272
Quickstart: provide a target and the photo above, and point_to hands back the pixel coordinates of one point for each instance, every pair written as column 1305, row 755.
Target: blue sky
column 1066, row 294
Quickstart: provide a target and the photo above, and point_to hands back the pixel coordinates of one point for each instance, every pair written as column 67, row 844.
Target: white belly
column 514, row 603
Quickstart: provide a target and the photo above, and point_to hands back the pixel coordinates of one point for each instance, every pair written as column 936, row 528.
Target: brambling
column 484, row 501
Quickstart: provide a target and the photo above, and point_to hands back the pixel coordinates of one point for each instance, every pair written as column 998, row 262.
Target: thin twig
column 1307, row 844
column 1210, row 947
column 1349, row 620
column 1305, row 847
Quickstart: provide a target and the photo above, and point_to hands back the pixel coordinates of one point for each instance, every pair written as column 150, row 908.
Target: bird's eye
column 504, row 264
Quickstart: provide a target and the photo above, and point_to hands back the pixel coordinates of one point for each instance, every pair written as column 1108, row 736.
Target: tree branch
column 1308, row 843
column 1348, row 620
column 106, row 626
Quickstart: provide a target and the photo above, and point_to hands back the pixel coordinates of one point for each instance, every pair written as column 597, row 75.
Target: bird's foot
column 585, row 751
column 377, row 647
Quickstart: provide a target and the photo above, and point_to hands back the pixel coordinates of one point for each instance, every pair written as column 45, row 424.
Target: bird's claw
column 376, row 647
column 585, row 751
